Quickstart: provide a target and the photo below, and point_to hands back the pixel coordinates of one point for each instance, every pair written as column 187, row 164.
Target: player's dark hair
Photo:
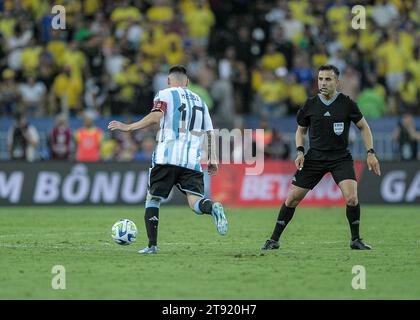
column 330, row 67
column 178, row 69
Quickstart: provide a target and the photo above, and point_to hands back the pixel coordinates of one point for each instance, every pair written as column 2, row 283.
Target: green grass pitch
column 194, row 262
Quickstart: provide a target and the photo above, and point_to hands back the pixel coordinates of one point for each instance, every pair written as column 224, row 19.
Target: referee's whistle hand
column 299, row 162
column 373, row 163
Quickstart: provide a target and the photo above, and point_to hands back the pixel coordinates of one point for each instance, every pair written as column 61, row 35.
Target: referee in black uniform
column 327, row 116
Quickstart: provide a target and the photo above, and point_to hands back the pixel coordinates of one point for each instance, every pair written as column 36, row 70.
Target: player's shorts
column 163, row 177
column 313, row 171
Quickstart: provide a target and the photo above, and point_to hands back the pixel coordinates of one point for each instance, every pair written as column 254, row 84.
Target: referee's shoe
column 358, row 244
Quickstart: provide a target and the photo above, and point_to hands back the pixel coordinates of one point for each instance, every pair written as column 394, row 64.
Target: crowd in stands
column 85, row 144
column 244, row 57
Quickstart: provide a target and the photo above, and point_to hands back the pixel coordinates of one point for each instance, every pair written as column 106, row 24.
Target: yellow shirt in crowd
column 160, row 14
column 71, row 87
column 273, row 91
column 273, row 61
column 199, row 22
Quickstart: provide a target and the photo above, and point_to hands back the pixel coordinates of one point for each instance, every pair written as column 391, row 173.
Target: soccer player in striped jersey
column 184, row 121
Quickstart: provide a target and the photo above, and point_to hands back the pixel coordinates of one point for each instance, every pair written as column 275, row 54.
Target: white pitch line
column 58, row 234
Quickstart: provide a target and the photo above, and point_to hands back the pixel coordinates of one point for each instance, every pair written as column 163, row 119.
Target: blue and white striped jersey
column 182, row 128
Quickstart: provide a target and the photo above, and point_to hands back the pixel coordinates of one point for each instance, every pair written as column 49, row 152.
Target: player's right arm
column 303, row 121
column 212, row 164
column 300, row 142
column 159, row 109
column 151, row 119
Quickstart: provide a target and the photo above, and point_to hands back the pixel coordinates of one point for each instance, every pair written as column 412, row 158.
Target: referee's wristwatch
column 370, row 151
column 300, row 149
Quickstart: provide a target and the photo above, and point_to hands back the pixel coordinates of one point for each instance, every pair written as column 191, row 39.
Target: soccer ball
column 124, row 232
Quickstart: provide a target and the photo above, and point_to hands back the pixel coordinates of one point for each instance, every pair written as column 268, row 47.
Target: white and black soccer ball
column 124, row 232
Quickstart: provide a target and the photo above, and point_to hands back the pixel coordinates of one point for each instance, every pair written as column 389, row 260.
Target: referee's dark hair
column 178, row 69
column 330, row 67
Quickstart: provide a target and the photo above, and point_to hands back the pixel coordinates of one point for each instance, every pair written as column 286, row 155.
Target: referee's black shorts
column 162, row 177
column 313, row 171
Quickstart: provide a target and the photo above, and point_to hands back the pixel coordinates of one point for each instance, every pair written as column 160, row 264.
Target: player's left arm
column 212, row 166
column 212, row 162
column 151, row 119
column 367, row 137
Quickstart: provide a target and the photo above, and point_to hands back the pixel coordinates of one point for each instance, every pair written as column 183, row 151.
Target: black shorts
column 163, row 177
column 313, row 171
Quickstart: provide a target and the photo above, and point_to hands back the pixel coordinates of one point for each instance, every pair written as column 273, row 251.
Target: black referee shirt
column 329, row 124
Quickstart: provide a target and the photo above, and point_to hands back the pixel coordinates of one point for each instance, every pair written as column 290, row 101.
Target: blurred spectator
column 60, row 139
column 235, row 71
column 350, row 82
column 66, row 92
column 75, row 58
column 278, row 12
column 20, row 37
column 267, row 138
column 278, row 148
column 174, row 50
column 337, row 59
column 29, row 60
column 272, row 94
column 126, row 146
column 407, row 137
column 371, row 100
column 199, row 19
column 302, row 69
column 95, row 96
column 222, row 93
column 283, row 45
column 160, row 79
column 320, row 56
column 383, row 13
column 291, row 26
column 57, row 47
column 2, row 51
column 123, row 13
column 9, row 93
column 99, row 26
column 146, row 151
column 202, row 92
column 261, row 141
column 408, row 95
column 46, row 71
column 391, row 55
column 22, row 140
column 124, row 92
column 33, row 94
column 272, row 59
column 114, row 61
column 297, row 94
column 88, row 140
column 109, row 147
column 414, row 64
column 242, row 45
